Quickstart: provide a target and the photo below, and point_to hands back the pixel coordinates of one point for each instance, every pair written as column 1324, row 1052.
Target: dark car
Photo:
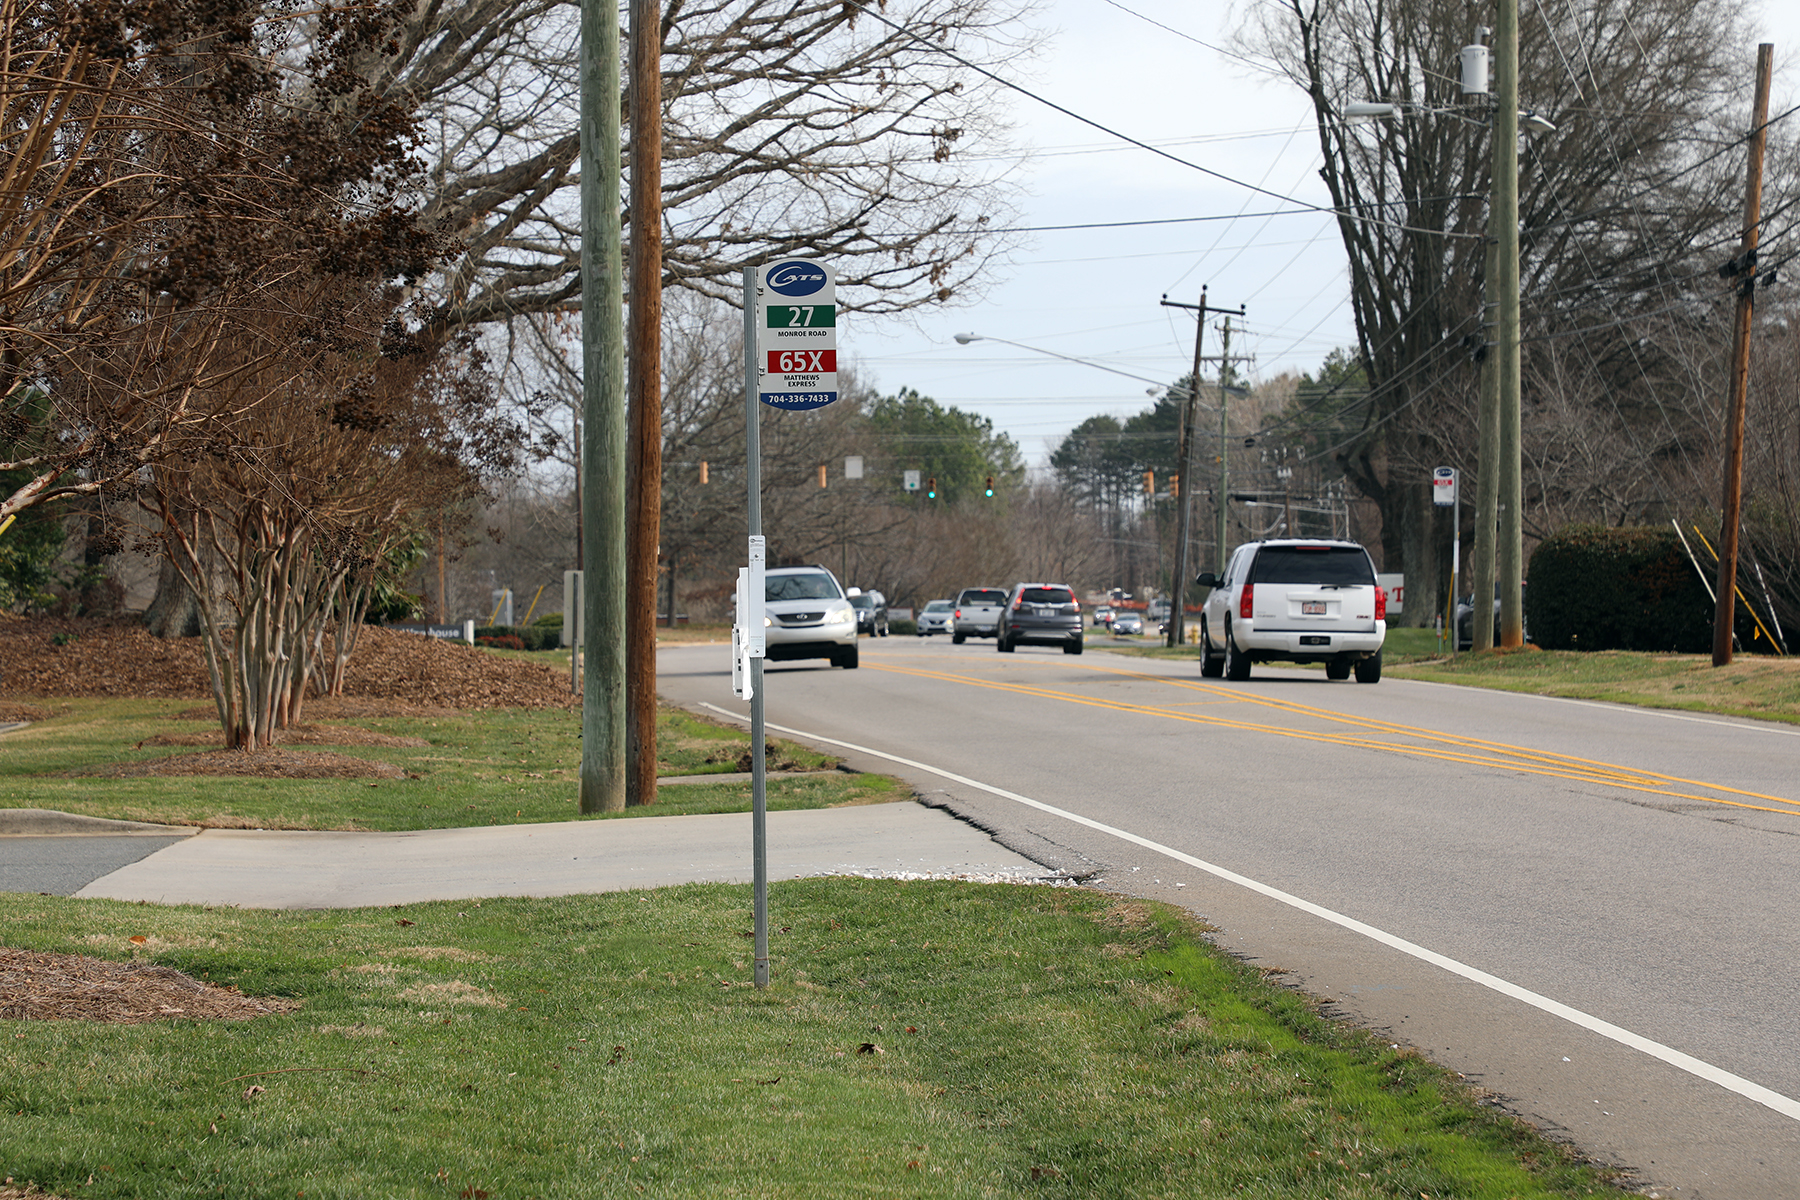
column 1041, row 614
column 1465, row 620
column 871, row 612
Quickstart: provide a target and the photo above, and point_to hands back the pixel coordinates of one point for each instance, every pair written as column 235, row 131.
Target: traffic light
column 703, row 471
column 1175, row 486
column 821, row 474
column 990, row 487
column 931, row 488
column 1149, row 483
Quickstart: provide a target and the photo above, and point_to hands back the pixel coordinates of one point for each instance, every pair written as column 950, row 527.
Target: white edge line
column 1767, row 1097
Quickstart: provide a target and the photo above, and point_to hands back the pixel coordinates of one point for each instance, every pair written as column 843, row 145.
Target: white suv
column 807, row 615
column 1294, row 600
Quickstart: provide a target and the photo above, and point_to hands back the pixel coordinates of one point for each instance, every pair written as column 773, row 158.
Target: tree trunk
column 174, row 611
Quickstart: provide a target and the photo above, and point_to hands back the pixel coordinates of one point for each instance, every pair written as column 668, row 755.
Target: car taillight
column 956, row 615
column 1381, row 604
column 1244, row 597
column 1075, row 604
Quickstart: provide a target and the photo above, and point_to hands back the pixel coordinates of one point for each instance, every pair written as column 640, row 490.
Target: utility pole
column 644, row 529
column 1511, row 548
column 1743, row 269
column 1487, row 439
column 1224, row 446
column 604, row 614
column 1184, row 456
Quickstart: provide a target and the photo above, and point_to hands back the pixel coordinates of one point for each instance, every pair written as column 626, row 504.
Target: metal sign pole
column 759, row 815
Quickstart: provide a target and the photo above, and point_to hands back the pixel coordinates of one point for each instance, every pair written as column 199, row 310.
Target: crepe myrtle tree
column 282, row 523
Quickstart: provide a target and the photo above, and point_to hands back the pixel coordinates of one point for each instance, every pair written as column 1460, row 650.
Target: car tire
column 1003, row 644
column 847, row 657
column 1072, row 647
column 1212, row 666
column 1237, row 663
column 1368, row 670
column 958, row 638
column 1337, row 668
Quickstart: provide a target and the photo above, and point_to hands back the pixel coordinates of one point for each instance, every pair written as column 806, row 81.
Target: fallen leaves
column 407, row 673
column 71, row 987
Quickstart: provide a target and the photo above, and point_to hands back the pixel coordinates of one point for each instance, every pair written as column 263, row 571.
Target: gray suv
column 1043, row 614
column 1294, row 600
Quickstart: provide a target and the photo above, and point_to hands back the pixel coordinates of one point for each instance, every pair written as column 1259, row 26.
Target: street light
column 963, row 339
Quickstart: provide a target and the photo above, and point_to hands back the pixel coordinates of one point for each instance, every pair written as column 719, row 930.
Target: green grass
column 505, row 766
column 1761, row 688
column 919, row 1039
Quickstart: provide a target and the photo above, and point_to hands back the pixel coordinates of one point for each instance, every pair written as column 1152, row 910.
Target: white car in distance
column 807, row 615
column 937, row 617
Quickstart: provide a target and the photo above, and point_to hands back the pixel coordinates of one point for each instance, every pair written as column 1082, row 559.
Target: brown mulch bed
column 274, row 763
column 117, row 656
column 72, row 987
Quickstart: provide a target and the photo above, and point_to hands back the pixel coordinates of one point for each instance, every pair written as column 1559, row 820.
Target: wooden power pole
column 644, row 349
column 1743, row 269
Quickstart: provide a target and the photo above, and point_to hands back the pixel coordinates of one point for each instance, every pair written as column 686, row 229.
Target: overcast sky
column 1153, row 70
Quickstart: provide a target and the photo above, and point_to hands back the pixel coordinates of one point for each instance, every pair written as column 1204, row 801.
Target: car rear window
column 1344, row 565
column 811, row 586
column 983, row 596
column 1050, row 595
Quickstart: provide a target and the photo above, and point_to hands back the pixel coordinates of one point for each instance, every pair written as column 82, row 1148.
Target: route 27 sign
column 797, row 335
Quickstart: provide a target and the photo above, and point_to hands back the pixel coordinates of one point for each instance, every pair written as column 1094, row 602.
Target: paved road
column 1586, row 909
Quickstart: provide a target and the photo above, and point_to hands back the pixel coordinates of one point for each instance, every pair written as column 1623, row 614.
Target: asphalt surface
column 65, row 855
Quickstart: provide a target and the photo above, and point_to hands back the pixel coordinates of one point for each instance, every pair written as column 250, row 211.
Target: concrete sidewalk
column 275, row 869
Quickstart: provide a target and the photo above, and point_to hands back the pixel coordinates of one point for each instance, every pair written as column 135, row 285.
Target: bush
column 550, row 621
column 903, row 628
column 523, row 637
column 1596, row 588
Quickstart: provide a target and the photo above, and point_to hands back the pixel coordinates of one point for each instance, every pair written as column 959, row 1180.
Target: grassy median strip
column 919, row 1039
column 498, row 766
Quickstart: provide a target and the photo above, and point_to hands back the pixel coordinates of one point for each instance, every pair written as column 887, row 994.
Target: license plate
column 1312, row 608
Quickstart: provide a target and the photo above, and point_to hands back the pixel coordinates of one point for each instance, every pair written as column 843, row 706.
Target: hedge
column 1599, row 588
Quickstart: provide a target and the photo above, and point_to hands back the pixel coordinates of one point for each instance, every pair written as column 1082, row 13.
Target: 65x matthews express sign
column 797, row 335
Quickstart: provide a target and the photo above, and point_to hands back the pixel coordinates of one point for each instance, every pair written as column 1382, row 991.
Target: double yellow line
column 1371, row 734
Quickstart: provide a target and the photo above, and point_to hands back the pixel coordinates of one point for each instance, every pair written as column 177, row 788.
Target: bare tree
column 1613, row 206
column 791, row 127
